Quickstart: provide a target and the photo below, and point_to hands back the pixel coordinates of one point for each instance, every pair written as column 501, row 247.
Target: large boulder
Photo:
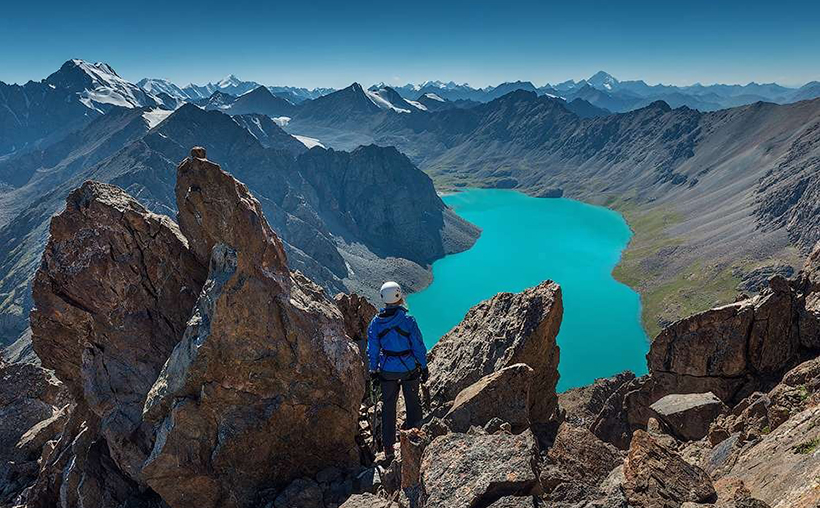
column 113, row 294
column 689, row 415
column 731, row 351
column 507, row 329
column 465, row 470
column 472, row 469
column 265, row 385
column 504, row 394
column 657, row 477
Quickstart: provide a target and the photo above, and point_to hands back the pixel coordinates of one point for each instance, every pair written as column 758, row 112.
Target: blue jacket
column 394, row 330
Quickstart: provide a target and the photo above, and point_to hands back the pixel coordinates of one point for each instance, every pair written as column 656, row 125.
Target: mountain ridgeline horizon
column 667, row 170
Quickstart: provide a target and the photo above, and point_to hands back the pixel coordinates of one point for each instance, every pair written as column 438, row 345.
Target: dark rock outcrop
column 265, row 385
column 507, row 329
column 656, row 477
column 809, row 285
column 504, row 394
column 464, row 470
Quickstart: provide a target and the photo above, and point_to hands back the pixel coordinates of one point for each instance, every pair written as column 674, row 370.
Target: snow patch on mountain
column 416, row 104
column 308, row 141
column 155, row 117
column 383, row 103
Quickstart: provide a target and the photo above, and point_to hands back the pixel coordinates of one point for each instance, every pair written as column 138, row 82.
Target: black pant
column 409, row 383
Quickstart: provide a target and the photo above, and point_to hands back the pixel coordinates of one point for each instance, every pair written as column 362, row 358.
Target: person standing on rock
column 398, row 360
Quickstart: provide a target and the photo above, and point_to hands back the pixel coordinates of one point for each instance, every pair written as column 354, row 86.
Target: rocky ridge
column 194, row 368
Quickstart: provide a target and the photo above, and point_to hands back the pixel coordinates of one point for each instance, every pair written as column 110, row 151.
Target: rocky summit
column 186, row 364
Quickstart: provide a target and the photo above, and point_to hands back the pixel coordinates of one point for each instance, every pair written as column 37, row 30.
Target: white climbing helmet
column 390, row 292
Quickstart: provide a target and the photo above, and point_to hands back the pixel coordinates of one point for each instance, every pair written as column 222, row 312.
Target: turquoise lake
column 524, row 241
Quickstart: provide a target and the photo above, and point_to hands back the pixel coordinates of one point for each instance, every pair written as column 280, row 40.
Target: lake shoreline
column 575, row 243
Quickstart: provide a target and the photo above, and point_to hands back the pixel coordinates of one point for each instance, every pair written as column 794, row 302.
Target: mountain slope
column 337, row 212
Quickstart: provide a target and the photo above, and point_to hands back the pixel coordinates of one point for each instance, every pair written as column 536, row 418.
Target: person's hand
column 425, row 374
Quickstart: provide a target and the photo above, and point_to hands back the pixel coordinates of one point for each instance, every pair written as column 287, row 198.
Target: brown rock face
column 28, row 395
column 688, row 416
column 265, row 385
column 810, row 312
column 30, row 415
column 113, row 293
column 656, row 477
column 357, row 313
column 783, row 468
column 729, row 349
column 579, row 464
column 504, row 394
column 582, row 405
column 502, row 331
column 464, row 470
column 413, row 442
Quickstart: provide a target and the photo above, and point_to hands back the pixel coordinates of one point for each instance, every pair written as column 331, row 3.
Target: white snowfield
column 417, row 105
column 309, row 142
column 156, row 116
column 383, row 103
column 431, row 95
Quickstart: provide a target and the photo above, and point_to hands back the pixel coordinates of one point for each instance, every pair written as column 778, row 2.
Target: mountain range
column 713, row 197
column 333, row 210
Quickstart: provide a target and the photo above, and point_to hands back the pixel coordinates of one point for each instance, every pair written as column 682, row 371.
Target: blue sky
column 321, row 43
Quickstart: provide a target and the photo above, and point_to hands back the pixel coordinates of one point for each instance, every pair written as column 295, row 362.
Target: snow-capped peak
column 99, row 86
column 602, row 79
column 229, row 80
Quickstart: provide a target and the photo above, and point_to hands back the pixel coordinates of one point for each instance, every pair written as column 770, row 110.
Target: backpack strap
column 396, row 329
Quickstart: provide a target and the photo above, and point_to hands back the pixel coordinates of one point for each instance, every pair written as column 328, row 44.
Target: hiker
column 397, row 359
